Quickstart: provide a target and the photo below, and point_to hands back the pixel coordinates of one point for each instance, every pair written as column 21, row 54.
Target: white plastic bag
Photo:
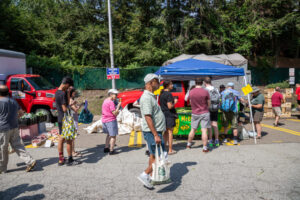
column 137, row 126
column 244, row 135
column 95, row 127
column 161, row 169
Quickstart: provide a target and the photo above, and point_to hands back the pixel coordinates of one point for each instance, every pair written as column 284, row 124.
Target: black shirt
column 60, row 99
column 166, row 97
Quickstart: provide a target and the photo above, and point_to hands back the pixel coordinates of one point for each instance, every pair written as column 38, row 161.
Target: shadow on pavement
column 178, row 170
column 14, row 192
column 93, row 155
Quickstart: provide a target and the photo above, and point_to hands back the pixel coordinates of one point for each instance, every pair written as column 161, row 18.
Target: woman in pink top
column 109, row 120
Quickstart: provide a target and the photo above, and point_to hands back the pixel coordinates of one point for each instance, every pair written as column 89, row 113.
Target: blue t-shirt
column 8, row 114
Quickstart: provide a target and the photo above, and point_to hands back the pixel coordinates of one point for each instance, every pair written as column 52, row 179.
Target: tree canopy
column 148, row 32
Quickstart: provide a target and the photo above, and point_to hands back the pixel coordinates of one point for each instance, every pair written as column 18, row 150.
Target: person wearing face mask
column 109, row 119
column 9, row 131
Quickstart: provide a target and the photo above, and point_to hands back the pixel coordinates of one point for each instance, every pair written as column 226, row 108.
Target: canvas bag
column 161, row 169
column 68, row 127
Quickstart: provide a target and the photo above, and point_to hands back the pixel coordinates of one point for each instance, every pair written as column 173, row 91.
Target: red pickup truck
column 129, row 97
column 33, row 93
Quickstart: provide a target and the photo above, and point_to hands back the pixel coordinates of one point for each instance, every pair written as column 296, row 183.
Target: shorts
column 214, row 116
column 203, row 120
column 230, row 117
column 276, row 111
column 149, row 137
column 258, row 116
column 111, row 128
column 170, row 122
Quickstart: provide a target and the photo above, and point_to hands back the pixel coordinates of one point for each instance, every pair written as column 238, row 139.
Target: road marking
column 294, row 120
column 139, row 139
column 282, row 129
column 131, row 139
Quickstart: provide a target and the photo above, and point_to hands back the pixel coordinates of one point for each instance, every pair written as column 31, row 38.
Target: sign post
column 292, row 76
column 111, row 43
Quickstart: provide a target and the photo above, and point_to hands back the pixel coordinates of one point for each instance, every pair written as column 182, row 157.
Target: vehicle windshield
column 39, row 83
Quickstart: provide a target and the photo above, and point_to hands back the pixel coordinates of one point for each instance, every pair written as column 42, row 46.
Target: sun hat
column 255, row 89
column 150, row 77
column 113, row 91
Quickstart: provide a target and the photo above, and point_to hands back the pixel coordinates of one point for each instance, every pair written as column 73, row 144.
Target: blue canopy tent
column 191, row 68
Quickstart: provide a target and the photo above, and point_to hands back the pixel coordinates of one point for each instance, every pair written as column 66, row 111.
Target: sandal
column 76, row 154
column 172, row 153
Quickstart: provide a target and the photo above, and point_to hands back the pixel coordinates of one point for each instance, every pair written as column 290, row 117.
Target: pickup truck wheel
column 136, row 111
column 47, row 113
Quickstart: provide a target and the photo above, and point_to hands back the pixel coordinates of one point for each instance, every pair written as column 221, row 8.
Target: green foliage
column 73, row 33
column 282, row 85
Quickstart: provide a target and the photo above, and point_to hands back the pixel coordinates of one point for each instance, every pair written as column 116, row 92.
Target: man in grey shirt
column 9, row 132
column 153, row 124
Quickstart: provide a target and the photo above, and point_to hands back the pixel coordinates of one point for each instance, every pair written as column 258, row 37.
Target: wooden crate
column 289, row 90
column 289, row 100
column 288, row 95
column 288, row 104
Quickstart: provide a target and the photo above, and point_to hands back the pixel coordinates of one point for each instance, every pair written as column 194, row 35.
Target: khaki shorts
column 230, row 117
column 203, row 120
column 258, row 116
column 276, row 111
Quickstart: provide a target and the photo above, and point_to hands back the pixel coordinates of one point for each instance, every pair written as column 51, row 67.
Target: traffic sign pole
column 111, row 43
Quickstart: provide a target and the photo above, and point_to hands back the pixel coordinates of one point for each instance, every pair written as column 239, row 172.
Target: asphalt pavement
column 267, row 170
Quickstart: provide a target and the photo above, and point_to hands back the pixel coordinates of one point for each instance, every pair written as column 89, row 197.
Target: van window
column 177, row 86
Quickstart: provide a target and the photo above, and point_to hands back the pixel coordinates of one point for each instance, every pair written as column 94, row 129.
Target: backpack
column 228, row 102
column 214, row 100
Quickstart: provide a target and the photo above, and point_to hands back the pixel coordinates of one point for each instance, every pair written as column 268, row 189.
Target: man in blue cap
column 230, row 99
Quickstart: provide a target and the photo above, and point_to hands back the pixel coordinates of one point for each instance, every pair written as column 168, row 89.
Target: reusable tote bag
column 68, row 127
column 161, row 169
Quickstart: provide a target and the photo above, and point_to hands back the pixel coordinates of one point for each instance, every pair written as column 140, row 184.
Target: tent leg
column 250, row 106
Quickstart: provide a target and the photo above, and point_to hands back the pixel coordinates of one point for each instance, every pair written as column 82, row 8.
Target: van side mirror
column 21, row 85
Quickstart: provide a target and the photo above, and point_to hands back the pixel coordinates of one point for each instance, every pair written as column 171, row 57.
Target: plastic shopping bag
column 85, row 117
column 161, row 169
column 68, row 127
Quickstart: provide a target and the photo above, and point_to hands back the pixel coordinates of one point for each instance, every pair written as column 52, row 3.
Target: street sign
column 112, row 73
column 247, row 89
column 292, row 71
column 292, row 80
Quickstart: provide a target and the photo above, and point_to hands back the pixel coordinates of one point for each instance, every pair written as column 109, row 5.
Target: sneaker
column 61, row 162
column 113, row 152
column 106, row 150
column 211, row 144
column 205, row 150
column 275, row 124
column 225, row 140
column 188, row 146
column 235, row 142
column 73, row 162
column 217, row 144
column 31, row 166
column 146, row 181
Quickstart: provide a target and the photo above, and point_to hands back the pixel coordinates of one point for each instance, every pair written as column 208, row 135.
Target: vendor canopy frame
column 192, row 68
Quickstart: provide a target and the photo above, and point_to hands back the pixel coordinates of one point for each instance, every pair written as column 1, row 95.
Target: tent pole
column 250, row 106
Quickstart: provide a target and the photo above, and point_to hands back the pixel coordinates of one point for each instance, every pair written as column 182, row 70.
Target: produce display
column 40, row 140
column 29, row 119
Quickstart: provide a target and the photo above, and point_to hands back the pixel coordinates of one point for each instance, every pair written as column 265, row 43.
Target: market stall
column 191, row 69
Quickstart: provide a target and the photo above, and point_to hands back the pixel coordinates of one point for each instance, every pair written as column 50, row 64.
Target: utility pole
column 111, row 43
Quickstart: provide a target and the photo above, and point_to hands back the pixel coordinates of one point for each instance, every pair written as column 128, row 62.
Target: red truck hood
column 131, row 94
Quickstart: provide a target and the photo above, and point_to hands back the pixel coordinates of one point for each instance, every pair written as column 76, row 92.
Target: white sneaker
column 145, row 180
column 225, row 140
column 235, row 142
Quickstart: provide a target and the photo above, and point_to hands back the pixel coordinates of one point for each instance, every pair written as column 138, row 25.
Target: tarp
column 230, row 59
column 192, row 68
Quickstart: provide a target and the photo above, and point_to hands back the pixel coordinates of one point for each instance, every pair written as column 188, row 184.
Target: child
column 74, row 111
